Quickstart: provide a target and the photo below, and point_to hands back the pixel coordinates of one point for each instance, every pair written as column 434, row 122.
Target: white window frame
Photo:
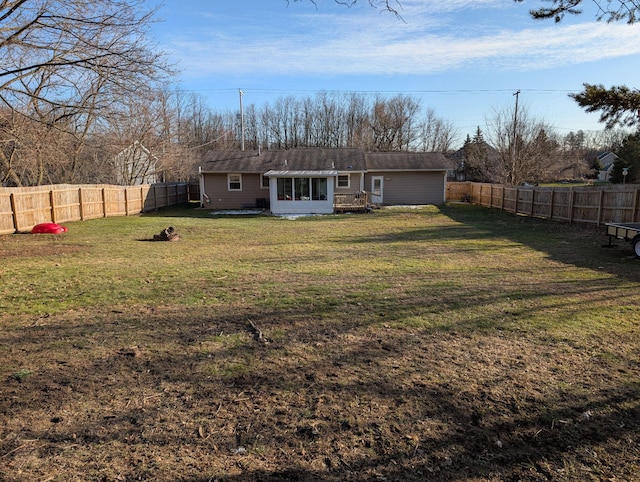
column 235, row 179
column 338, row 185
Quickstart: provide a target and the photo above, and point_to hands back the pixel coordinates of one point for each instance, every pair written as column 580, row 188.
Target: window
column 285, row 189
column 319, row 189
column 343, row 180
column 302, row 188
column 264, row 182
column 234, row 182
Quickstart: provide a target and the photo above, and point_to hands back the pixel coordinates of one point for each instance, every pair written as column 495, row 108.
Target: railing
column 343, row 202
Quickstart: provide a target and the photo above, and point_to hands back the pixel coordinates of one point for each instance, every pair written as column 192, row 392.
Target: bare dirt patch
column 11, row 247
column 167, row 395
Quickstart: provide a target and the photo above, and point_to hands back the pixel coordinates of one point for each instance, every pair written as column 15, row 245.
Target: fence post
column 81, row 202
column 600, row 200
column 533, row 200
column 104, row 203
column 515, row 211
column 53, row 205
column 126, row 201
column 571, row 201
column 634, row 214
column 14, row 211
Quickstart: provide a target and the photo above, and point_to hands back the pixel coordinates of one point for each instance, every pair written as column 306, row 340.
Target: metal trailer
column 629, row 232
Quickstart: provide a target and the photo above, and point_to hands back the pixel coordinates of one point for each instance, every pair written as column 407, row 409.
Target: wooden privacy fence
column 22, row 208
column 598, row 205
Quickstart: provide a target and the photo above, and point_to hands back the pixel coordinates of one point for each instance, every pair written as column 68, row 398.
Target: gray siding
column 355, row 179
column 215, row 187
column 411, row 187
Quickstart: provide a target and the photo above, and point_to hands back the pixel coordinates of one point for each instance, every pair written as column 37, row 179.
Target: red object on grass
column 48, row 228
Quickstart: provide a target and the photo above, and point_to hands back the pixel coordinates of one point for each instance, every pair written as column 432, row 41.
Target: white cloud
column 367, row 43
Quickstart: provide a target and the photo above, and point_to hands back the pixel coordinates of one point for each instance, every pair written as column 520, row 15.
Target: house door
column 377, row 183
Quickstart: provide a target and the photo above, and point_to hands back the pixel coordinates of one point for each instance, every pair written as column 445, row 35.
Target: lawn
column 448, row 343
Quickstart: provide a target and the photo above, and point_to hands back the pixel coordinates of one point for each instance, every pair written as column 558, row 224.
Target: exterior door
column 377, row 184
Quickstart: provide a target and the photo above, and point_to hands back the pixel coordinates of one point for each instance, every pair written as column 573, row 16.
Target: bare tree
column 392, row 122
column 524, row 145
column 63, row 65
column 52, row 49
column 356, row 116
column 436, row 135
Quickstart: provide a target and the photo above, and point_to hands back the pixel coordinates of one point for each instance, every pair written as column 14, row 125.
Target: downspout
column 203, row 195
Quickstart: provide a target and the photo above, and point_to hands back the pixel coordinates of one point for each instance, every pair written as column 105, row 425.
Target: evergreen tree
column 611, row 10
column 476, row 158
column 617, row 106
column 628, row 158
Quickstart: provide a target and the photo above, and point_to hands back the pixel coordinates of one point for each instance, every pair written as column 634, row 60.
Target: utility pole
column 241, row 122
column 514, row 149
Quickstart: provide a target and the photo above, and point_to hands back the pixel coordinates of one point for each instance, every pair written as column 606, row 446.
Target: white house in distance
column 135, row 165
column 606, row 160
column 309, row 180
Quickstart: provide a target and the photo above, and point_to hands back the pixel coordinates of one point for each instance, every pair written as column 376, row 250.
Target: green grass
column 399, row 344
column 429, row 266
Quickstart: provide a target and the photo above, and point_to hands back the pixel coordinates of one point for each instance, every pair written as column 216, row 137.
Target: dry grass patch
column 432, row 344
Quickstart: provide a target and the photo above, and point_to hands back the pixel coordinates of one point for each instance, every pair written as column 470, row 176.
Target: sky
column 464, row 59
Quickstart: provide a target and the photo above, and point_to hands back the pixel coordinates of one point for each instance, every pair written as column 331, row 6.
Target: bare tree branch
column 392, row 6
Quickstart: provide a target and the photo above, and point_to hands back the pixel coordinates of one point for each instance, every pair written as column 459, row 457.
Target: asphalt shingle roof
column 289, row 159
column 407, row 161
column 317, row 159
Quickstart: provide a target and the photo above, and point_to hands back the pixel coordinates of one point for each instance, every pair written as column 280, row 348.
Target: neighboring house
column 136, row 165
column 308, row 180
column 606, row 161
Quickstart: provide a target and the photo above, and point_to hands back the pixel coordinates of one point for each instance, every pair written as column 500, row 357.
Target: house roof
column 281, row 160
column 325, row 173
column 319, row 159
column 407, row 161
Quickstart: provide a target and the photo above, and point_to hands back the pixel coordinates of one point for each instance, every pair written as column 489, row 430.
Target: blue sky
column 464, row 59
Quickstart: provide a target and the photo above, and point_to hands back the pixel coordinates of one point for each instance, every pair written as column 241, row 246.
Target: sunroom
column 301, row 192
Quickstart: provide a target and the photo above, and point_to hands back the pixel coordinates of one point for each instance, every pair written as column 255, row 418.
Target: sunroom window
column 319, row 188
column 302, row 188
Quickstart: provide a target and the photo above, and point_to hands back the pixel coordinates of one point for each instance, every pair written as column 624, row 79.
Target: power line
column 361, row 91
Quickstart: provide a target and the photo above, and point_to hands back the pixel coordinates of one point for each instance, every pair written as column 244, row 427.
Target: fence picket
column 596, row 205
column 28, row 206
